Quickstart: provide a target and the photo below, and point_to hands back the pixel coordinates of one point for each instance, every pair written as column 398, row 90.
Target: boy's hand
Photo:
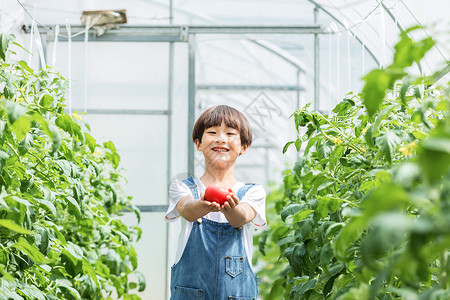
column 212, row 206
column 237, row 213
column 232, row 202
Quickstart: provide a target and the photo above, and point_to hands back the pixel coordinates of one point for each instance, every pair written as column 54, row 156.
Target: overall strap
column 191, row 184
column 243, row 189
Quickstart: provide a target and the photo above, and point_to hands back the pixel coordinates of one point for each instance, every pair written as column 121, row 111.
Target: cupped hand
column 232, row 201
column 212, row 206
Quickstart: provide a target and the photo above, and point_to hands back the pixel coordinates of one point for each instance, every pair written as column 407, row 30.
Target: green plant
column 60, row 199
column 365, row 210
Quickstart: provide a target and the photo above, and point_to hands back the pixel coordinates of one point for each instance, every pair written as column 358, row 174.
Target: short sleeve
column 256, row 198
column 177, row 191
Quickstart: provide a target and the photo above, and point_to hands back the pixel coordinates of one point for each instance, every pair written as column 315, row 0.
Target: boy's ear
column 198, row 145
column 244, row 149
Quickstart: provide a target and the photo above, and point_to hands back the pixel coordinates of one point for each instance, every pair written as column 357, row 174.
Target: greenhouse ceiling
column 375, row 23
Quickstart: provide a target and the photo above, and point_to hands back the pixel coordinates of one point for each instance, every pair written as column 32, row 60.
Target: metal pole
column 169, row 149
column 316, row 62
column 44, row 42
column 191, row 103
column 297, row 94
column 169, row 145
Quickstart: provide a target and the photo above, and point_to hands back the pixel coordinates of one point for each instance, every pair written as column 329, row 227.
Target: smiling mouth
column 220, row 149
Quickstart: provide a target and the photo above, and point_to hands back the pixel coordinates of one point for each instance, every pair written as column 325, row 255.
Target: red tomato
column 216, row 194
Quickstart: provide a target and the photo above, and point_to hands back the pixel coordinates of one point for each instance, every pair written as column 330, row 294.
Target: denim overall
column 214, row 264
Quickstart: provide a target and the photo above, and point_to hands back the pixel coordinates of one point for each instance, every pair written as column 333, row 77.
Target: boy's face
column 221, row 145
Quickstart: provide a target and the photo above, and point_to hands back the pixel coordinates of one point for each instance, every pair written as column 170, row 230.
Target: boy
column 213, row 259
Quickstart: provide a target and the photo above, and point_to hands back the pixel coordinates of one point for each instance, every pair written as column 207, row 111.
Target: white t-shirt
column 255, row 197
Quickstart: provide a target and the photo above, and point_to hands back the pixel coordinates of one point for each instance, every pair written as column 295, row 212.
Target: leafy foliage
column 60, row 196
column 365, row 213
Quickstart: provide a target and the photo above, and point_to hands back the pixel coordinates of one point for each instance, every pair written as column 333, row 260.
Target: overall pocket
column 185, row 293
column 233, row 265
column 241, row 298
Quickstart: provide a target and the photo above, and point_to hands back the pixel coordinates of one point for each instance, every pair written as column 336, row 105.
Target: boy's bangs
column 218, row 116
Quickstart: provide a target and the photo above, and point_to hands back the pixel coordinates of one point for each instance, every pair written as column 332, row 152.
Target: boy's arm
column 192, row 209
column 237, row 214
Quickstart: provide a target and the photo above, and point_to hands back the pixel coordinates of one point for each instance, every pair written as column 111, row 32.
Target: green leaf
column 374, row 91
column 407, row 51
column 3, row 157
column 87, row 268
column 46, row 101
column 32, row 292
column 110, row 145
column 287, row 240
column 387, row 232
column 388, row 142
column 298, row 144
column 324, row 149
column 303, row 287
column 56, row 137
column 5, row 40
column 290, row 210
column 49, row 205
column 132, row 285
column 44, row 243
column 349, row 235
column 15, row 111
column 329, row 285
column 326, row 205
column 11, row 225
column 285, row 148
column 387, row 197
column 295, row 254
column 141, row 280
column 360, row 292
column 31, row 250
column 342, row 107
column 25, row 144
column 133, row 257
column 325, row 184
column 6, row 274
column 301, row 215
column 25, row 66
column 115, row 159
column 90, row 141
column 51, row 130
column 66, row 123
column 21, row 127
column 262, row 241
column 435, row 158
column 326, row 253
column 70, row 289
column 74, row 207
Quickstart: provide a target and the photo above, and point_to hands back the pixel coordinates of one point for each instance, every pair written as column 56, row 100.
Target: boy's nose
column 221, row 137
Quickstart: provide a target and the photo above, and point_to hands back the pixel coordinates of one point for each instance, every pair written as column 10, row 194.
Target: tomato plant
column 60, row 196
column 365, row 213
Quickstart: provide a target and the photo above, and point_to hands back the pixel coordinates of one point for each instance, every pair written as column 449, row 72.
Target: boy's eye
column 231, row 133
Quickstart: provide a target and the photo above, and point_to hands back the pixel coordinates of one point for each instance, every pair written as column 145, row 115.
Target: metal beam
column 121, row 111
column 249, row 87
column 150, row 208
column 174, row 33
